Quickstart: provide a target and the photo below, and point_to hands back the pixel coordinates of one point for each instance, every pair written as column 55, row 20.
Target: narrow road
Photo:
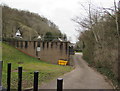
column 82, row 77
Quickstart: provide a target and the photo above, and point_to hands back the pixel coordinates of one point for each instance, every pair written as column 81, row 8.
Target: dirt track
column 82, row 77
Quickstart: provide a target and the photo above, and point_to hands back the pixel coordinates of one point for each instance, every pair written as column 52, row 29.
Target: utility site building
column 46, row 51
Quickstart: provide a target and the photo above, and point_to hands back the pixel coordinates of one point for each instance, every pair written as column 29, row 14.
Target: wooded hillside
column 30, row 24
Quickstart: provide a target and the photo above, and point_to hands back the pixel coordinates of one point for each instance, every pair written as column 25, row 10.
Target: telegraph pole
column 118, row 20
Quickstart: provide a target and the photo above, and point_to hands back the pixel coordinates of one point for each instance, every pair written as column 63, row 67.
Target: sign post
column 1, row 63
column 38, row 50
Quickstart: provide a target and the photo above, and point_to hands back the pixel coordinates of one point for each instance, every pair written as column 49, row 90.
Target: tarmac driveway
column 82, row 77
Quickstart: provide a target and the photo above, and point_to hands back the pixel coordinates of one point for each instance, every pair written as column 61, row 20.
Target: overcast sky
column 59, row 11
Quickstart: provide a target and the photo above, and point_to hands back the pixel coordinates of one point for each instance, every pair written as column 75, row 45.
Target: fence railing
column 35, row 82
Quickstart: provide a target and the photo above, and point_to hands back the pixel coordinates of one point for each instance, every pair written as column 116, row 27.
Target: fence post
column 19, row 78
column 59, row 84
column 8, row 76
column 35, row 87
column 1, row 64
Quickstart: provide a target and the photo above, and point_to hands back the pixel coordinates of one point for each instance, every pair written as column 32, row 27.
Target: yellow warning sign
column 62, row 62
